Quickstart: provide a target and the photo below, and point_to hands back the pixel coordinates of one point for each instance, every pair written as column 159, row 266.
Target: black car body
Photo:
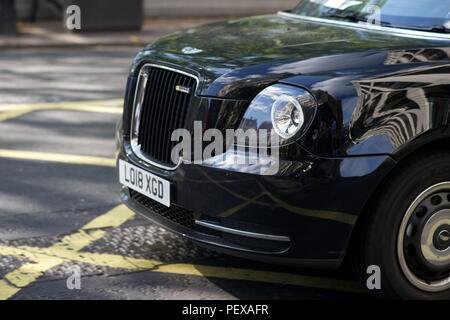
column 382, row 96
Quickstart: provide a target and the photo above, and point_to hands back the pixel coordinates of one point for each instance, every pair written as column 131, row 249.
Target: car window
column 427, row 15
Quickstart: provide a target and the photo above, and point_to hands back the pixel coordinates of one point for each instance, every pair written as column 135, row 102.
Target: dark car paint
column 335, row 63
column 380, row 97
column 308, row 201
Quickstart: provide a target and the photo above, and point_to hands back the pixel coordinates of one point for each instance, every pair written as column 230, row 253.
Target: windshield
column 427, row 15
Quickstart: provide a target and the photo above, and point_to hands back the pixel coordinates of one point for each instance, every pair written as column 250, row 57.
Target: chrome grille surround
column 140, row 102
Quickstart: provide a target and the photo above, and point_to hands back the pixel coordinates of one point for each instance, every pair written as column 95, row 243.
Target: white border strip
column 372, row 27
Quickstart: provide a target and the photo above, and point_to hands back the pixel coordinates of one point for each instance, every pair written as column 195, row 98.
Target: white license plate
column 144, row 182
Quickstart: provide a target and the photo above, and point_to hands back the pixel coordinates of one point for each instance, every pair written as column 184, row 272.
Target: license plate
column 144, row 182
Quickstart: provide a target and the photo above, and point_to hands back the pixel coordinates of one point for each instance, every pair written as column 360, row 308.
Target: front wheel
column 407, row 232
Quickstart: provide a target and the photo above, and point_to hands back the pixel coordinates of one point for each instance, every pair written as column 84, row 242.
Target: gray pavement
column 48, row 33
column 44, row 203
column 47, row 75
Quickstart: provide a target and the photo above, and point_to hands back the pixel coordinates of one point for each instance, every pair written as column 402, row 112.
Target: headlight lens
column 281, row 109
column 287, row 116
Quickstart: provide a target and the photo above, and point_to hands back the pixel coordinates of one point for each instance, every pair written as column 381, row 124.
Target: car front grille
column 175, row 214
column 165, row 98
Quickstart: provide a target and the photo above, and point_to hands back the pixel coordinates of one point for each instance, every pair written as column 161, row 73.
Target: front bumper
column 304, row 215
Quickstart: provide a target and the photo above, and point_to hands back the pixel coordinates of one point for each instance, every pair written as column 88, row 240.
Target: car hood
column 236, row 58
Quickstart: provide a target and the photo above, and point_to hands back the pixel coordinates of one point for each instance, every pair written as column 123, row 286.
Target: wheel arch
column 441, row 143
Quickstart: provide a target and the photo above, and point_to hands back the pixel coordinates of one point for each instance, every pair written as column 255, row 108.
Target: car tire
column 410, row 207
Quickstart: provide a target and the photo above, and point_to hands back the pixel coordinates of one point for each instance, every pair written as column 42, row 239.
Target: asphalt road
column 60, row 212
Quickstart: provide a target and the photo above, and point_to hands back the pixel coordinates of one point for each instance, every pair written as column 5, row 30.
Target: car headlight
column 281, row 109
column 287, row 116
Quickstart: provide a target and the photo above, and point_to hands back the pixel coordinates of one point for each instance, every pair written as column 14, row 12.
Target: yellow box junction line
column 8, row 112
column 28, row 273
column 57, row 158
column 68, row 249
column 11, row 111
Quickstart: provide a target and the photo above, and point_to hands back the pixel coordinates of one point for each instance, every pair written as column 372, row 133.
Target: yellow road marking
column 28, row 273
column 68, row 249
column 113, row 219
column 12, row 111
column 261, row 276
column 133, row 264
column 64, row 254
column 112, row 110
column 114, row 103
column 57, row 157
column 7, row 115
column 7, row 290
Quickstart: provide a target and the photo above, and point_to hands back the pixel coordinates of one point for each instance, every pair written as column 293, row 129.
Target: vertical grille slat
column 164, row 109
column 151, row 89
column 173, row 120
column 169, row 120
column 155, row 121
column 161, row 109
column 148, row 97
